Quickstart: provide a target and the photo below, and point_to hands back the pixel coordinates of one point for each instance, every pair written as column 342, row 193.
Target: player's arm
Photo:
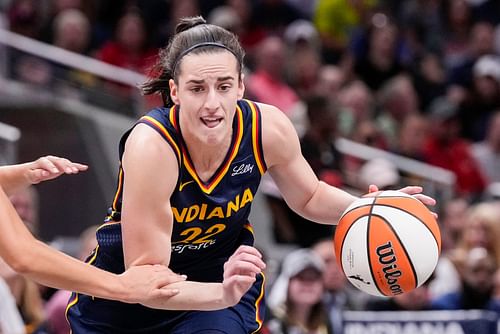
column 301, row 189
column 150, row 176
column 45, row 265
column 14, row 178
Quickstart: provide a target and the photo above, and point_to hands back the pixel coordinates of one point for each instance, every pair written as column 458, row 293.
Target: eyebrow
column 194, row 81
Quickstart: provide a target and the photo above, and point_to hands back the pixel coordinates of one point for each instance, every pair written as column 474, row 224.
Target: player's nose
column 212, row 100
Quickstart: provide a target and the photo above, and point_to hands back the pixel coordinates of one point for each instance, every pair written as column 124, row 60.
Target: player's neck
column 207, row 158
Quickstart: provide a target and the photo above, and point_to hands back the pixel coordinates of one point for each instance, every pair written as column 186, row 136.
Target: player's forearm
column 327, row 204
column 13, row 178
column 47, row 266
column 57, row 270
column 193, row 296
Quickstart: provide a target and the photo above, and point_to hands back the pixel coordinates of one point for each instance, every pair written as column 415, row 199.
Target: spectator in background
column 304, row 60
column 460, row 77
column 267, row 83
column 225, row 17
column 483, row 98
column 429, row 78
column 397, row 99
column 453, row 220
column 295, row 299
column 446, row 149
column 337, row 20
column 56, row 7
column 456, row 28
column 329, row 82
column 452, row 223
column 356, row 106
column 487, row 152
column 71, row 31
column 180, row 9
column 24, row 17
column 480, row 230
column 380, row 61
column 130, row 48
column 421, row 22
column 477, row 285
column 26, row 204
column 412, row 135
column 250, row 34
column 339, row 295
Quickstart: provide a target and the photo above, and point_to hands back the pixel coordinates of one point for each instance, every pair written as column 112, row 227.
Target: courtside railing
column 438, row 182
column 53, row 68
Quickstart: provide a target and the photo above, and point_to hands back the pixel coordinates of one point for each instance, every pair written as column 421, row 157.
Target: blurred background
column 380, row 91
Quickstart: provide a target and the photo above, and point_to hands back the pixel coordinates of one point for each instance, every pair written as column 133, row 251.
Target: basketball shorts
column 97, row 316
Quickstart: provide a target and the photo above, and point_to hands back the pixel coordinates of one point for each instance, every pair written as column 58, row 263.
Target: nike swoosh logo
column 182, row 185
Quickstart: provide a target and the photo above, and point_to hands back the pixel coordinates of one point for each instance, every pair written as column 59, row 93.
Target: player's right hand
column 145, row 283
column 240, row 272
column 50, row 167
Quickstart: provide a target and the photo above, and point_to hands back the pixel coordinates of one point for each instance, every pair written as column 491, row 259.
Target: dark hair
column 192, row 35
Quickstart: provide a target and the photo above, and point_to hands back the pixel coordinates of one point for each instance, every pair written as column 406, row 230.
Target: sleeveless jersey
column 210, row 221
column 210, row 218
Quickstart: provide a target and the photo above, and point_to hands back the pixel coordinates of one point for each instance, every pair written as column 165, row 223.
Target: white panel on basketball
column 393, row 193
column 416, row 237
column 355, row 259
column 360, row 202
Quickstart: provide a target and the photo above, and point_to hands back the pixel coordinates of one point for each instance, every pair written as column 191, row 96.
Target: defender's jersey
column 210, row 218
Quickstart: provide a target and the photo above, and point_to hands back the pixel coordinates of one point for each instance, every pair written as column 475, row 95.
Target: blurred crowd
column 418, row 78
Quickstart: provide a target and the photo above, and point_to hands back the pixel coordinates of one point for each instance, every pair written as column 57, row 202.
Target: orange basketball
column 388, row 244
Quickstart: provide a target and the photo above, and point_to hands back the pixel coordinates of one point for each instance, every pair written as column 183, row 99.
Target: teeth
column 211, row 121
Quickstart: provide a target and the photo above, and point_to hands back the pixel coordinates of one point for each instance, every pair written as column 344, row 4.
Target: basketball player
column 47, row 266
column 189, row 172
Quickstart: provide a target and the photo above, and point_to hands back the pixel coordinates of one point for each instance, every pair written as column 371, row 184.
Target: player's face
column 208, row 88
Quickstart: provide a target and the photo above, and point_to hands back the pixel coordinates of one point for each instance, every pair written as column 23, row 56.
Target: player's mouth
column 211, row 122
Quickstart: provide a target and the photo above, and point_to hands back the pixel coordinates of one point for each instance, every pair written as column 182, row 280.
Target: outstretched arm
column 301, row 189
column 14, row 178
column 33, row 258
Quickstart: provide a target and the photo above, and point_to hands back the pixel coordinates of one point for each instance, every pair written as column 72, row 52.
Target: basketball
column 388, row 244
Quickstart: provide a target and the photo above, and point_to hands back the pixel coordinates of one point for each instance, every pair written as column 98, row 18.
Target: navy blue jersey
column 210, row 218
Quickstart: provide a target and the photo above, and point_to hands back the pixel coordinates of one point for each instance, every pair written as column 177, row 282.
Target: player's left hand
column 50, row 167
column 415, row 191
column 240, row 272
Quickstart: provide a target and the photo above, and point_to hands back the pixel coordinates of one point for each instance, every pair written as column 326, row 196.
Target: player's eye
column 196, row 89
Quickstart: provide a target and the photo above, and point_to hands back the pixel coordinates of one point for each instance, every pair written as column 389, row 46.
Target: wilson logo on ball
column 387, row 258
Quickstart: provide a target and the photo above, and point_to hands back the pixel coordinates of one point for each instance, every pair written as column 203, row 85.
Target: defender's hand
column 50, row 167
column 146, row 283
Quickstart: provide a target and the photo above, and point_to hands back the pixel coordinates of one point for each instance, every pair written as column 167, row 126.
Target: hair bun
column 187, row 23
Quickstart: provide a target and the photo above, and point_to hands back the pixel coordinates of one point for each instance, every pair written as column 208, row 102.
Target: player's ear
column 173, row 91
column 241, row 86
